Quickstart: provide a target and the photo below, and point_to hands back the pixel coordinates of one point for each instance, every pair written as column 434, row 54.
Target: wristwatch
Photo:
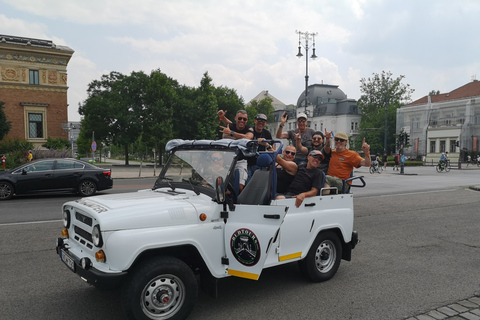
column 231, row 133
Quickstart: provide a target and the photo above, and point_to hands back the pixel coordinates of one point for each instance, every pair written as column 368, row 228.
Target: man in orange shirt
column 342, row 160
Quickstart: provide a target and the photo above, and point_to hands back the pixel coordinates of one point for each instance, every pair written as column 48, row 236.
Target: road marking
column 419, row 192
column 29, row 222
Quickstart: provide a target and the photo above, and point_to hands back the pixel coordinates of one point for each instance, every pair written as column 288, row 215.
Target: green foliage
column 15, row 151
column 57, row 144
column 5, row 125
column 263, row 106
column 379, row 93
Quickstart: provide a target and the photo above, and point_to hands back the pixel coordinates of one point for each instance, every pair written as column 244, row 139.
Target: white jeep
column 154, row 243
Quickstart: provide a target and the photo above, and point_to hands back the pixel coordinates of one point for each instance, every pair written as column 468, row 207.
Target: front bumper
column 91, row 275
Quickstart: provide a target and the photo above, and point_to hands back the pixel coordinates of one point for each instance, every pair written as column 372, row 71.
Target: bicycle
column 443, row 166
column 376, row 168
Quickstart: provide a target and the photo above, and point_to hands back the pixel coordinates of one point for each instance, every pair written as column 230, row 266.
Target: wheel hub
column 163, row 296
column 325, row 256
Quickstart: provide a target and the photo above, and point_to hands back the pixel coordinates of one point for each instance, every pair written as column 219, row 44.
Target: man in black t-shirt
column 259, row 134
column 307, row 181
column 238, row 130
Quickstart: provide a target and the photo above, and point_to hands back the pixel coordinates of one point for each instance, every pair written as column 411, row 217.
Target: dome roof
column 320, row 94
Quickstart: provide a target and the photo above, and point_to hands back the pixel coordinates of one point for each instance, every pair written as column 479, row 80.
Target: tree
column 381, row 96
column 434, row 93
column 5, row 125
column 263, row 106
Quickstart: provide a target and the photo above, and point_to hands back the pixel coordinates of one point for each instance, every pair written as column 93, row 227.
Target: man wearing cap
column 317, row 144
column 305, row 134
column 238, row 130
column 343, row 160
column 307, row 181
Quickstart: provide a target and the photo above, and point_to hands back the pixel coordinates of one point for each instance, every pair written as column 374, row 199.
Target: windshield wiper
column 191, row 185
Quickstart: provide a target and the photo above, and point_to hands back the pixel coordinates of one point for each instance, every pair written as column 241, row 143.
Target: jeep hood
column 143, row 209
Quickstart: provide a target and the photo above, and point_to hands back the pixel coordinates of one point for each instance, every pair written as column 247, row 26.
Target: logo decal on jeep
column 245, row 247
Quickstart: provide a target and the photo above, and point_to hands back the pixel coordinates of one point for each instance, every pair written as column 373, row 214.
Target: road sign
column 94, row 146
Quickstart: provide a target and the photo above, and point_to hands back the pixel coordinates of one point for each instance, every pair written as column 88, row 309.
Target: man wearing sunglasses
column 305, row 134
column 238, row 130
column 286, row 169
column 343, row 160
column 259, row 134
column 307, row 180
column 317, row 144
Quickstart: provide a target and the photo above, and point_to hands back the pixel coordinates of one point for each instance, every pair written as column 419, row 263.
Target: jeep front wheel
column 160, row 288
column 323, row 258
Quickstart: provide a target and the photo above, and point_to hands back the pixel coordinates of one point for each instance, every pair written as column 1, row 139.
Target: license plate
column 67, row 260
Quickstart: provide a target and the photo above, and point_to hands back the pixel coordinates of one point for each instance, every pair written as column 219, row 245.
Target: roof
column 471, row 89
column 277, row 104
column 37, row 43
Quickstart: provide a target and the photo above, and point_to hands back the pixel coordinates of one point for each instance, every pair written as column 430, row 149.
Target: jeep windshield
column 196, row 167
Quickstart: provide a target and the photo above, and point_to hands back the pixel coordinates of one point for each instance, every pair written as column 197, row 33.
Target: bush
column 15, row 151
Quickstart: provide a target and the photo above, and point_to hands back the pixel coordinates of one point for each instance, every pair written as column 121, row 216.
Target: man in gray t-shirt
column 305, row 133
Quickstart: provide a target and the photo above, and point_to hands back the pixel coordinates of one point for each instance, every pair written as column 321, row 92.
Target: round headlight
column 97, row 236
column 66, row 218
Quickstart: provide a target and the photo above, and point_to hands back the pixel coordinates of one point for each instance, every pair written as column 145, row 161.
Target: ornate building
column 33, row 86
column 445, row 122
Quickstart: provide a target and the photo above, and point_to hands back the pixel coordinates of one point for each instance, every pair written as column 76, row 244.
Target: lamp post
column 306, row 36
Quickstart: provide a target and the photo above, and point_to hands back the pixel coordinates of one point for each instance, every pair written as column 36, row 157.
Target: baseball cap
column 316, row 154
column 261, row 116
column 301, row 115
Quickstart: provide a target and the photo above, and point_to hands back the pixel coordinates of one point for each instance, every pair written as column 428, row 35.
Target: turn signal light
column 65, row 233
column 203, row 217
column 100, row 256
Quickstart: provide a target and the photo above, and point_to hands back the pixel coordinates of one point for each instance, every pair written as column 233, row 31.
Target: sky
column 251, row 45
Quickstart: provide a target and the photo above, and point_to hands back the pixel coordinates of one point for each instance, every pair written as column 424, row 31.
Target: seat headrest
column 264, row 160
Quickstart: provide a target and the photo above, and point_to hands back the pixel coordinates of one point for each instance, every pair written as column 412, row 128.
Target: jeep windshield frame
column 195, row 164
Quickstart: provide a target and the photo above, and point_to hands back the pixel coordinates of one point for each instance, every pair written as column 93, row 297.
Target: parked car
column 54, row 175
column 153, row 243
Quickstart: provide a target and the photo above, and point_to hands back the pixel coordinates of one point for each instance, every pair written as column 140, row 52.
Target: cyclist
column 443, row 159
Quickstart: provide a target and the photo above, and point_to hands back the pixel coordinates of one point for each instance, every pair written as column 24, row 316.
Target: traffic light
column 407, row 139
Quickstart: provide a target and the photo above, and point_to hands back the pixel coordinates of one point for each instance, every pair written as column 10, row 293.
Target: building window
column 35, row 125
column 442, row 146
column 34, row 77
column 432, row 146
column 453, row 145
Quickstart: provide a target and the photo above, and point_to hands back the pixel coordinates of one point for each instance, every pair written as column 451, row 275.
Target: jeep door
column 250, row 232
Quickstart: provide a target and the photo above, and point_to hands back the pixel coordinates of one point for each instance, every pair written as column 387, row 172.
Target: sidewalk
column 133, row 170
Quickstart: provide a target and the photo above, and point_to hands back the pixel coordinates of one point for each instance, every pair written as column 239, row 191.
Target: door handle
column 310, row 204
column 271, row 216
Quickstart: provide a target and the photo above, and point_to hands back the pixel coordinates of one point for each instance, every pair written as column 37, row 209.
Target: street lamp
column 306, row 36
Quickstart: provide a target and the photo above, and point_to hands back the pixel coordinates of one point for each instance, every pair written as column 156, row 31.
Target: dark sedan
column 54, row 175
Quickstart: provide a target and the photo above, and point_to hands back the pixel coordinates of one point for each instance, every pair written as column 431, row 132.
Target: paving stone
column 468, row 304
column 449, row 312
column 424, row 317
column 437, row 315
column 457, row 307
column 475, row 311
column 412, row 318
column 469, row 316
column 475, row 300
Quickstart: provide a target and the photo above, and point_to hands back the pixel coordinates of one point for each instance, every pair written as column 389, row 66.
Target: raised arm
column 280, row 134
column 299, row 145
column 328, row 138
column 289, row 166
column 367, row 162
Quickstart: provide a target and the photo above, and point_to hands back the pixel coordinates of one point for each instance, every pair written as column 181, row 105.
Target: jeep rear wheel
column 323, row 258
column 160, row 288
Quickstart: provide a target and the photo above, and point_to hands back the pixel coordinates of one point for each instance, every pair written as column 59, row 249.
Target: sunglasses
column 316, row 138
column 261, row 120
column 217, row 158
column 290, row 152
column 302, row 120
column 242, row 119
column 341, row 140
column 317, row 156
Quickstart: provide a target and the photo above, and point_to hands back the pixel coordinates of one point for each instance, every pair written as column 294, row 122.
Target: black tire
column 447, row 167
column 372, row 170
column 323, row 258
column 6, row 191
column 438, row 168
column 160, row 288
column 87, row 188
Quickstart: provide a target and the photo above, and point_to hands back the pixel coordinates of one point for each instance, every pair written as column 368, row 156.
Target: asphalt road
column 419, row 250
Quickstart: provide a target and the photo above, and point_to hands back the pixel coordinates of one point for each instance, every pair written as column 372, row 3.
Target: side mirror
column 220, row 189
column 24, row 171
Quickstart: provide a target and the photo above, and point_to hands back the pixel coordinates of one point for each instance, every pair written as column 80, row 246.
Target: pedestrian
column 343, row 160
column 30, row 155
column 478, row 160
column 396, row 159
column 238, row 130
column 306, row 135
column 469, row 159
column 385, row 160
